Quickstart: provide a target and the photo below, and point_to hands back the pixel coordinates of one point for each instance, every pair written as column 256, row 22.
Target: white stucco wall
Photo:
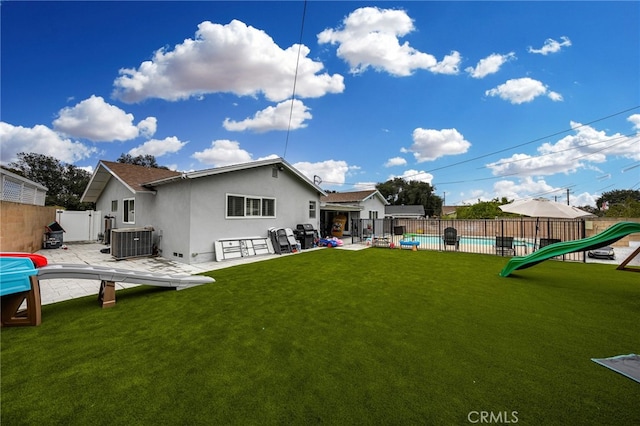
column 190, row 214
column 114, row 190
column 169, row 214
column 372, row 204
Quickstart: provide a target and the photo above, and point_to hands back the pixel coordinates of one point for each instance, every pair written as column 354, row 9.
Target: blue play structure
column 407, row 244
column 15, row 273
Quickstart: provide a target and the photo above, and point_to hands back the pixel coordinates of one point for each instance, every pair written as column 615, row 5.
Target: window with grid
column 250, row 206
column 128, row 215
column 235, row 206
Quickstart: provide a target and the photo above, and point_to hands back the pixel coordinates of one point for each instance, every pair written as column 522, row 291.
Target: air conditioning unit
column 131, row 242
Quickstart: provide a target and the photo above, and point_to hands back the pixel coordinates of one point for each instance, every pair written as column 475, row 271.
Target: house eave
column 98, row 183
column 238, row 167
column 341, row 207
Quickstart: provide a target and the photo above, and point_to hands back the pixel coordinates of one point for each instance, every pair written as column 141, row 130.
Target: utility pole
column 567, row 196
column 444, row 203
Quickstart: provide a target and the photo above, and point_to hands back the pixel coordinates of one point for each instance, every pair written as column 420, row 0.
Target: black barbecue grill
column 305, row 234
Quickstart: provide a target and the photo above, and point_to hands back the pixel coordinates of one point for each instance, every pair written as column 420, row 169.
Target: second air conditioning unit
column 131, row 242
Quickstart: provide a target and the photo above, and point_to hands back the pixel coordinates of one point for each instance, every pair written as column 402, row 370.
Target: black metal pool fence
column 524, row 235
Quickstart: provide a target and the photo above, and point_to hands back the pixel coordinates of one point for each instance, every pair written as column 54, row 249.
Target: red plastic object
column 38, row 260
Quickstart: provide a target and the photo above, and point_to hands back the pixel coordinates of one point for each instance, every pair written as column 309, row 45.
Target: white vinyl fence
column 80, row 225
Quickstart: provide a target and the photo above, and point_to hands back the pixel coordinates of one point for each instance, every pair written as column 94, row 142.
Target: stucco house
column 355, row 205
column 189, row 212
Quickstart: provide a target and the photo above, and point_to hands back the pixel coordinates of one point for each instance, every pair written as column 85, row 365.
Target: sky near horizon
column 482, row 100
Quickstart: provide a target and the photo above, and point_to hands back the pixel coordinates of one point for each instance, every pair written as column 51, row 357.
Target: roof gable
column 352, row 196
column 132, row 176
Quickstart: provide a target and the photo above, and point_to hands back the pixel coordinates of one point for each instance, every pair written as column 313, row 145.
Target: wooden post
column 623, row 266
column 12, row 316
column 107, row 295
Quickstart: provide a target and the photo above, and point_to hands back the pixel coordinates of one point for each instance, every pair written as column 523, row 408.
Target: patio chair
column 548, row 241
column 505, row 245
column 450, row 238
column 279, row 240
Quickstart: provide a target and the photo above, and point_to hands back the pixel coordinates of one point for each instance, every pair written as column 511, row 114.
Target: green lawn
column 337, row 337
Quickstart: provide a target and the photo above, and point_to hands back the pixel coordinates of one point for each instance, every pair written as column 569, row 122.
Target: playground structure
column 605, row 238
column 20, row 276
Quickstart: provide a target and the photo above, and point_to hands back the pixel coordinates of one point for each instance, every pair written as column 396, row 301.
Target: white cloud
column 369, row 37
column 523, row 188
column 529, row 187
column 521, row 90
column 471, row 197
column 148, row 126
column 449, row 64
column 395, row 161
column 98, row 121
column 635, row 120
column 584, row 199
column 573, row 152
column 88, row 169
column 555, row 96
column 551, row 46
column 431, row 144
column 332, row 172
column 232, row 58
column 40, row 139
column 223, row 152
column 417, row 175
column 489, row 65
column 273, row 118
column 157, row 147
column 363, row 186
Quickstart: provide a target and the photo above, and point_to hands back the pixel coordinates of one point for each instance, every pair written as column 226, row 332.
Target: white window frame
column 253, row 207
column 128, row 216
column 267, row 208
column 313, row 209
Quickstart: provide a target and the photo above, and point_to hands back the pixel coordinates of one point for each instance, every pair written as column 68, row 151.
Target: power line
column 295, row 80
column 624, row 138
column 534, row 140
column 514, row 147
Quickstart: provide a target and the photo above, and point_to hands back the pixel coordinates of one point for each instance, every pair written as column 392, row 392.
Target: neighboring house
column 449, row 211
column 404, row 212
column 191, row 211
column 355, row 205
column 18, row 189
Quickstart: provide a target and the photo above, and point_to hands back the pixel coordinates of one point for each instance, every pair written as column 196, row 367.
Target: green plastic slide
column 605, row 238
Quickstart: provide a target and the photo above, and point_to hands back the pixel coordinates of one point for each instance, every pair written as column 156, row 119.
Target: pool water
column 427, row 240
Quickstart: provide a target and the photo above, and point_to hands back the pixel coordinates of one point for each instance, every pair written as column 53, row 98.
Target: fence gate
column 79, row 225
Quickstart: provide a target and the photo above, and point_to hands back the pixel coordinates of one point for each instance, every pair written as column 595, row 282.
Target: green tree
column 141, row 160
column 483, row 210
column 412, row 193
column 620, row 203
column 65, row 182
column 629, row 208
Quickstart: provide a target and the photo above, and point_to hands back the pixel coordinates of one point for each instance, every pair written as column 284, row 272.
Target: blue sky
column 480, row 99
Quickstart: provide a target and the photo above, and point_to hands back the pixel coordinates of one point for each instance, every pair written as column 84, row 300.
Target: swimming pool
column 431, row 240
